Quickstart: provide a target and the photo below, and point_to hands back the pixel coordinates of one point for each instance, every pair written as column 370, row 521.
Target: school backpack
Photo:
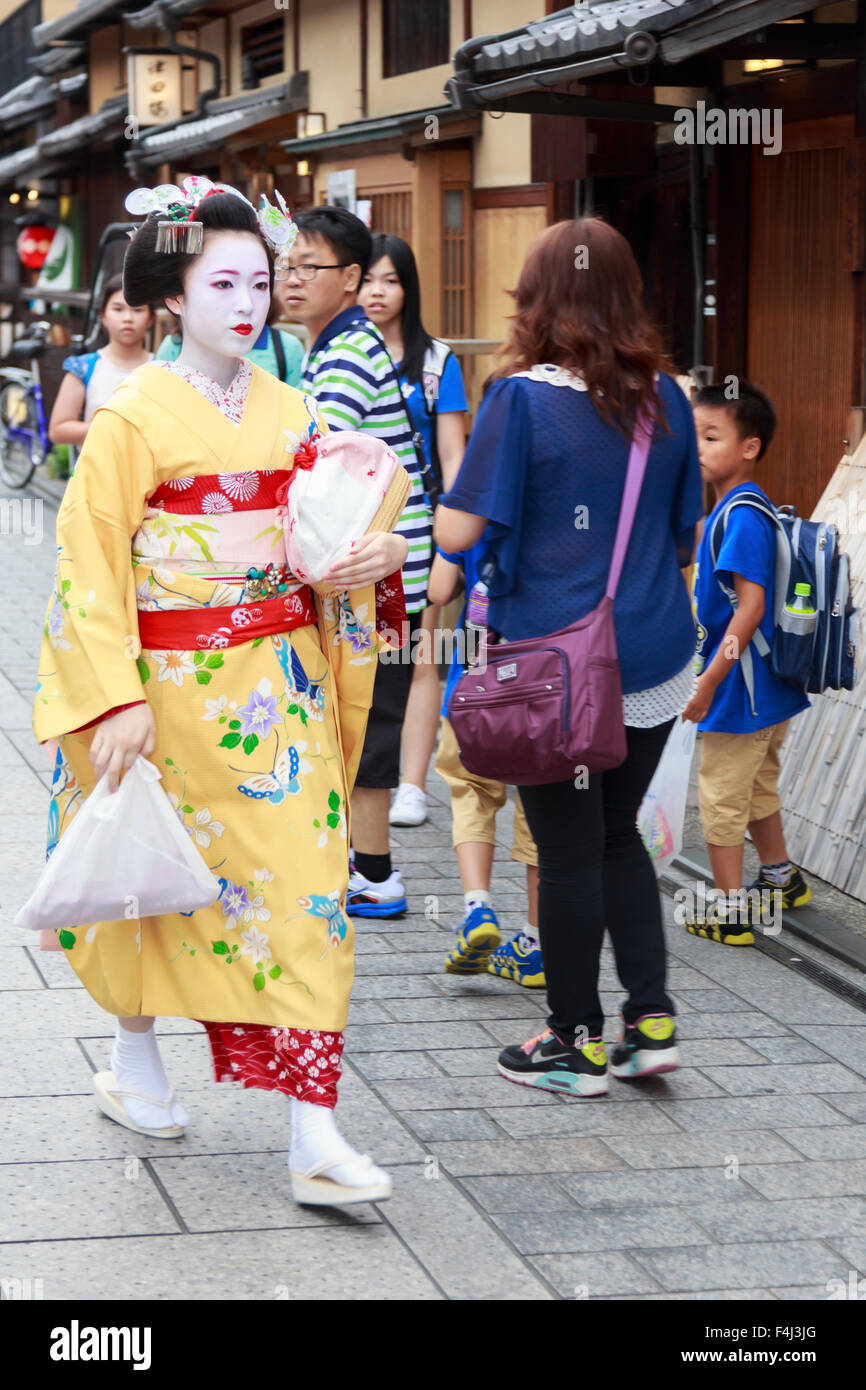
column 816, row 635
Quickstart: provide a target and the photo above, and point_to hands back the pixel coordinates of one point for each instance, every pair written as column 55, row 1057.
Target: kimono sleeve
column 492, row 477
column 88, row 662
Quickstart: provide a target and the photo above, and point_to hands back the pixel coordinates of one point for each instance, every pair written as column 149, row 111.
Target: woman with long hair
column 544, row 474
column 436, row 405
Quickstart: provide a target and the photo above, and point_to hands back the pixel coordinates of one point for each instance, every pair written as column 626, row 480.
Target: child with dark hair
column 237, row 681
column 351, row 375
column 92, row 376
column 432, row 386
column 743, row 728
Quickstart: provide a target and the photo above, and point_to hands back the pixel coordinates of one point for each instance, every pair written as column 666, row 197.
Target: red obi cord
column 296, row 1061
column 211, row 629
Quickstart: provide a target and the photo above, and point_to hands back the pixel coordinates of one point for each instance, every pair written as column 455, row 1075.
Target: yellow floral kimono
column 258, row 743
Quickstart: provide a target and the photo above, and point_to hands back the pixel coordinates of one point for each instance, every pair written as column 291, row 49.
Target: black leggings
column 594, row 872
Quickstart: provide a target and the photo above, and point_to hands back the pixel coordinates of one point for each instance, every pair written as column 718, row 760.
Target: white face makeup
column 226, row 296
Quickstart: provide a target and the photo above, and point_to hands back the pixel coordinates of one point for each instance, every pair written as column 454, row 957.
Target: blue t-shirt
column 548, row 472
column 451, row 397
column 748, row 548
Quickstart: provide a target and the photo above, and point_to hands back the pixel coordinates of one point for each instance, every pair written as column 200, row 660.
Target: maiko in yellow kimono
column 257, row 741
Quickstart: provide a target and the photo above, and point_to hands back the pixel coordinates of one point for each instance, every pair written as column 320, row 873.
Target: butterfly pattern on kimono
column 319, row 905
column 308, row 695
column 283, row 781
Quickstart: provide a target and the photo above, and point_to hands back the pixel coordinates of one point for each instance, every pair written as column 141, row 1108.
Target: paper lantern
column 33, row 246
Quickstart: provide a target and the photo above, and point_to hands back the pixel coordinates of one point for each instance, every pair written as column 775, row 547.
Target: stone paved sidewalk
column 741, row 1176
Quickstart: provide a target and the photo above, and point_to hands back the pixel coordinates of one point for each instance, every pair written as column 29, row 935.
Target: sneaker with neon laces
column 409, row 806
column 366, row 899
column 795, row 890
column 520, row 960
column 648, row 1047
column 547, row 1062
column 477, row 935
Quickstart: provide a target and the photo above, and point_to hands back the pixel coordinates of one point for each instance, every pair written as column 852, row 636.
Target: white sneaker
column 366, row 899
column 409, row 806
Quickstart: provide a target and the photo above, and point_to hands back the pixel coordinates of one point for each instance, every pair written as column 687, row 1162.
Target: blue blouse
column 548, row 473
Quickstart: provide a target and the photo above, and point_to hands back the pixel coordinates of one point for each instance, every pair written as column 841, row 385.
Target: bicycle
column 24, row 441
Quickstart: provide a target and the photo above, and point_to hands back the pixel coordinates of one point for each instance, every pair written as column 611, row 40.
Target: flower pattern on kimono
column 215, row 707
column 240, row 486
column 255, row 944
column 235, row 902
column 56, row 625
column 179, row 484
column 216, row 502
column 351, row 627
column 204, row 827
column 307, row 694
column 173, row 666
column 144, row 599
column 260, row 715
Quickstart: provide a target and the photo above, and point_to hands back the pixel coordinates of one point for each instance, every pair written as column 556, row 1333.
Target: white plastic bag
column 663, row 809
column 124, row 855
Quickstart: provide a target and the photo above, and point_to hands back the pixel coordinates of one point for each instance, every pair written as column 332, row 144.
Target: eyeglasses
column 284, row 272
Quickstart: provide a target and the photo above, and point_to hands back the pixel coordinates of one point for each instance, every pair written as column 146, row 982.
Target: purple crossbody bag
column 543, row 709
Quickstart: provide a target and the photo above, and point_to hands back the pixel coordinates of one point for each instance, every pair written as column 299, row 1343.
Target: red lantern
column 33, row 246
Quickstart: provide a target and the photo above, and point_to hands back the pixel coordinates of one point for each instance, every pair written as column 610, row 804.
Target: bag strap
column 637, row 460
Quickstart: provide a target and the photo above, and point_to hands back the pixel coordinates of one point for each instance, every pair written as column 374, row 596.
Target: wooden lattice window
column 262, row 52
column 391, row 213
column 415, row 35
column 455, row 262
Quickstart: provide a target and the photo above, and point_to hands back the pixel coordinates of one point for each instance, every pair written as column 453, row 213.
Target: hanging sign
column 154, row 81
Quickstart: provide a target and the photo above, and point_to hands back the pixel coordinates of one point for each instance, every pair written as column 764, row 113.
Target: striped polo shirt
column 350, row 373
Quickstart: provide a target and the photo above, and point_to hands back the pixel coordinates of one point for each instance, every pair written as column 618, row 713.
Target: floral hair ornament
column 177, row 229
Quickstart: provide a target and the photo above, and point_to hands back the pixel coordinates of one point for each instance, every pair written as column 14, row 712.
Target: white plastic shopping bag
column 125, row 854
column 663, row 809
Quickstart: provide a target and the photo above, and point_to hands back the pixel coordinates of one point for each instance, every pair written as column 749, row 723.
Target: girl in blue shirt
column 544, row 473
column 436, row 406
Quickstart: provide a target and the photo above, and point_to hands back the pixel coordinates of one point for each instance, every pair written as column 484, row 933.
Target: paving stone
column 727, row 1025
column 794, row 1079
column 853, row 1250
column 708, row 1052
column 393, row 987
column 367, row 1262
column 712, row 1000
column 686, row 1084
column 839, row 1141
column 760, row 1264
column 16, row 970
column 852, row 1105
column 185, row 1056
column 586, row 1118
column 514, row 1195
column 536, row 1233
column 392, row 1037
column 364, row 1011
column 442, row 1228
column 786, row 1049
column 594, row 1276
column 475, row 1061
column 44, row 1201
column 406, row 942
column 502, row 1006
column 808, row 1293
column 504, row 1157
column 806, row 1218
column 393, row 1066
column 822, row 1178
column 710, row 1150
column 750, row 1112
column 44, row 1067
column 650, row 1189
column 846, row 1044
column 371, row 945
column 462, row 1093
column 216, row 1192
column 412, row 963
column 52, row 968
column 450, row 1124
column 702, row 1296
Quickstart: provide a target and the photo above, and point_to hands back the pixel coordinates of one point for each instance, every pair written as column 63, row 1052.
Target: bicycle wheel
column 21, row 445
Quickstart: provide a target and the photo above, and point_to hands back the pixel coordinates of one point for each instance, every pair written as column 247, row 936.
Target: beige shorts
column 738, row 781
column 475, row 802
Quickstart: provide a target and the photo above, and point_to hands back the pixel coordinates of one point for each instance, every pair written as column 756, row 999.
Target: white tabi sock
column 137, row 1066
column 315, row 1138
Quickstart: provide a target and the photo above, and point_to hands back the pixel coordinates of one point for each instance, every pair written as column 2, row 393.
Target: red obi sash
column 211, row 629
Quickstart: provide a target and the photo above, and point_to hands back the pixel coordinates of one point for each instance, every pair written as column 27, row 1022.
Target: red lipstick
column 243, row 328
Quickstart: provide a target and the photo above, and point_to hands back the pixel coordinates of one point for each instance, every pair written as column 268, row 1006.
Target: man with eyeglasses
column 349, row 371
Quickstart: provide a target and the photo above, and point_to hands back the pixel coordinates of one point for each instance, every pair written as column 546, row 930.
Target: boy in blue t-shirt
column 743, row 730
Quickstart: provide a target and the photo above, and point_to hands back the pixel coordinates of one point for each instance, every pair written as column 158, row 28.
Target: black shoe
column 648, row 1048
column 545, row 1061
column 795, row 890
